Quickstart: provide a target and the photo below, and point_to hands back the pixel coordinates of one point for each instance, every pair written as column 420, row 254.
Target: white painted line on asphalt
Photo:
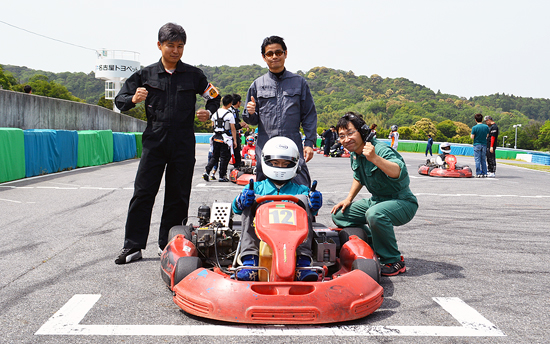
column 66, row 188
column 9, row 200
column 476, row 195
column 67, row 320
column 222, row 185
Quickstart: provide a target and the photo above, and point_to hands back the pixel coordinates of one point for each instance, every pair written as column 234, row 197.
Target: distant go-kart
column 243, row 174
column 338, row 151
column 199, row 262
column 447, row 168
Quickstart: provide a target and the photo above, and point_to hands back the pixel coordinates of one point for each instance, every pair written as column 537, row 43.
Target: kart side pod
column 178, row 247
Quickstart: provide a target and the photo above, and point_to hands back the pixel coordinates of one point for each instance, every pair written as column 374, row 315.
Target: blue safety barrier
column 67, row 145
column 541, row 159
column 41, row 153
column 124, row 146
column 202, row 137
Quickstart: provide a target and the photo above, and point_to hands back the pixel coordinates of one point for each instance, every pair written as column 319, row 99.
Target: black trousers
column 221, row 153
column 237, row 152
column 491, row 161
column 169, row 151
column 328, row 144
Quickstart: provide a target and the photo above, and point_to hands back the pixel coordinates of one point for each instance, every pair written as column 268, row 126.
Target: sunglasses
column 277, row 53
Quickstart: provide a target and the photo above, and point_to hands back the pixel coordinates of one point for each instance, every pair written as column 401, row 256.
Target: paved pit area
column 476, row 253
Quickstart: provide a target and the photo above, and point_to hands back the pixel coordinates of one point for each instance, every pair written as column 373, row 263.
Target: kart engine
column 215, row 240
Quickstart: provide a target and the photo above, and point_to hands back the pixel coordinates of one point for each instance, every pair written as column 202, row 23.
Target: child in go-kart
column 248, row 150
column 439, row 160
column 279, row 161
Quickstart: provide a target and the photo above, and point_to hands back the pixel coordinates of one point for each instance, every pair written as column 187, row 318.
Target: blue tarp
column 67, row 144
column 541, row 159
column 202, row 137
column 41, row 153
column 124, row 146
column 460, row 150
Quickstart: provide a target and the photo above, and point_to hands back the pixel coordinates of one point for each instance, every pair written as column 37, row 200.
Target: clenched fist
column 141, row 94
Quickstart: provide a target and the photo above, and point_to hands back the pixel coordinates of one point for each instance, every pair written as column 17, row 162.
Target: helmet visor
column 289, row 159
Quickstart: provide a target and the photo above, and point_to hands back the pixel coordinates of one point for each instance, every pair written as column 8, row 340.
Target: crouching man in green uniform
column 382, row 170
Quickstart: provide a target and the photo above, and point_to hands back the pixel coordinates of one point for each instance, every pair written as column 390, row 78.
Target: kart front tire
column 368, row 266
column 185, row 266
column 183, row 230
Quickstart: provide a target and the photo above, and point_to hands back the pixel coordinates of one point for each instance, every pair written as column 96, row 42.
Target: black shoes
column 223, row 179
column 205, row 176
column 127, row 255
column 393, row 269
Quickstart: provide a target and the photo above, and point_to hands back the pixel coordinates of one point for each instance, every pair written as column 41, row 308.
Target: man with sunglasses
column 279, row 102
column 383, row 171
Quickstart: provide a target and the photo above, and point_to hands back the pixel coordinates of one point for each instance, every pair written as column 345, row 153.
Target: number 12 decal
column 283, row 216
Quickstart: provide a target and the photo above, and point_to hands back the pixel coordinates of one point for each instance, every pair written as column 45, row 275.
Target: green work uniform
column 392, row 202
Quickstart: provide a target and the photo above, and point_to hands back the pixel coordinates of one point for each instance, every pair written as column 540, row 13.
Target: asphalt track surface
column 480, row 243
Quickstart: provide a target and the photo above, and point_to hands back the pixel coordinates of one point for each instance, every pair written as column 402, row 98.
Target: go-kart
column 448, row 168
column 199, row 265
column 242, row 175
column 338, row 151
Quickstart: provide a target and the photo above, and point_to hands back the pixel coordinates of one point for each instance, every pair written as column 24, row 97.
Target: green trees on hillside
column 40, row 84
column 7, row 81
column 43, row 87
column 416, row 109
column 81, row 85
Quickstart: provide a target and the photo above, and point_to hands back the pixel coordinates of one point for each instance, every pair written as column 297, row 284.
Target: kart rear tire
column 345, row 233
column 185, row 266
column 368, row 266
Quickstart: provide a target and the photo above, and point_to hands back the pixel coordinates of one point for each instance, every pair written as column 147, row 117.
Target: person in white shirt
column 394, row 137
column 224, row 139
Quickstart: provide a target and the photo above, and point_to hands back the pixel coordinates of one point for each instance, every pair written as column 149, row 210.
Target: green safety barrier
column 95, row 147
column 139, row 143
column 506, row 154
column 407, row 147
column 12, row 154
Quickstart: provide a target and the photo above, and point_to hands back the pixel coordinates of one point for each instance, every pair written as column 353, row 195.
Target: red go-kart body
column 242, row 175
column 349, row 293
column 450, row 170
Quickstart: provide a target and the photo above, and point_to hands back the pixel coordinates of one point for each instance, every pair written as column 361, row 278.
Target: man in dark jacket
column 279, row 102
column 330, row 139
column 169, row 88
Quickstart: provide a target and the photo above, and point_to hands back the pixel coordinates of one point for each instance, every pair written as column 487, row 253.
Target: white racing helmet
column 280, row 147
column 394, row 127
column 446, row 147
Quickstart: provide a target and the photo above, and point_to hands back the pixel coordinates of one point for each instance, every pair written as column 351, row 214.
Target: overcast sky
column 461, row 47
